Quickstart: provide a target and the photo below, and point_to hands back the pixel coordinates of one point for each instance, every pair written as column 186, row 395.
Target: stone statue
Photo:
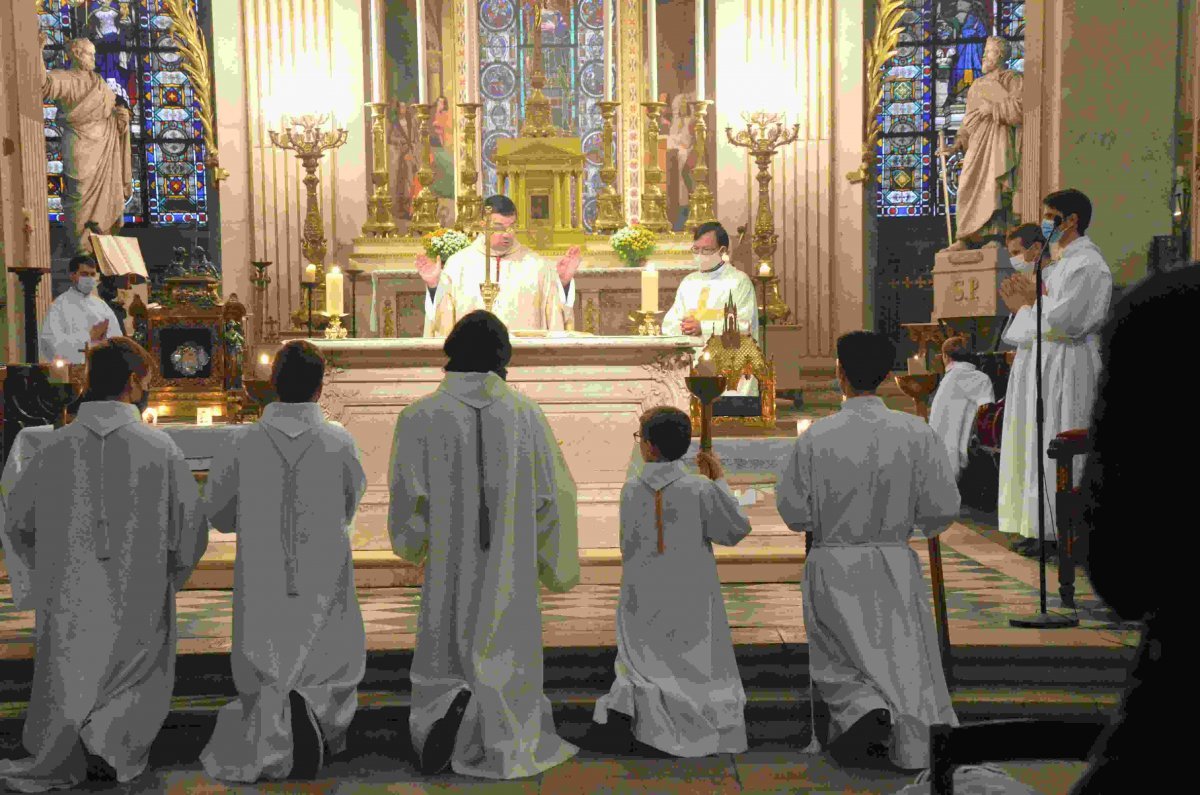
column 990, row 137
column 97, row 168
column 179, row 263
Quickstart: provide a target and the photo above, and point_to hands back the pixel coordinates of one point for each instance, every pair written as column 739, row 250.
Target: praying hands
column 1018, row 291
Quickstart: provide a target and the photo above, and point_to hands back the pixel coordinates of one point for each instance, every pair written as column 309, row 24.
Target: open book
column 119, row 256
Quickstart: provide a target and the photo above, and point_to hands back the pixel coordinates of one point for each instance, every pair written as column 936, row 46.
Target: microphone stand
column 1042, row 619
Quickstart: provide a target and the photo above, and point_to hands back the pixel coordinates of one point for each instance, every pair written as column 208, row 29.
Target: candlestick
column 376, row 54
column 652, row 35
column 701, row 66
column 654, row 200
column 649, row 289
column 608, row 50
column 335, row 298
column 422, row 88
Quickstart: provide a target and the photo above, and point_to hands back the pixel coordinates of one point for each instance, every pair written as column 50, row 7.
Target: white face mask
column 86, row 284
column 707, row 262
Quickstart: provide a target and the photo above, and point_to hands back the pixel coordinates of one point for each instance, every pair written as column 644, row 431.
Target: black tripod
column 1041, row 619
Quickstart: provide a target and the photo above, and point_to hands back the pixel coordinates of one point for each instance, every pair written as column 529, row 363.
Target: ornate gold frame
column 733, row 363
column 879, row 51
column 194, row 49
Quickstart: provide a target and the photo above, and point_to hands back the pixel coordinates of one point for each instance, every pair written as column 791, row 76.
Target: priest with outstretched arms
column 533, row 295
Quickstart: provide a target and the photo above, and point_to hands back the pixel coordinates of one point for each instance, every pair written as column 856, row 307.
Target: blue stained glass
column 573, row 58
column 925, row 90
column 139, row 60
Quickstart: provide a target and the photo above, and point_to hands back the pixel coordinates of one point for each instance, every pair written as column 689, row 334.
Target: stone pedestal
column 966, row 292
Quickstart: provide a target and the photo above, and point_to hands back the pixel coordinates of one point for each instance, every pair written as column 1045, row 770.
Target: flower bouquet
column 633, row 244
column 443, row 243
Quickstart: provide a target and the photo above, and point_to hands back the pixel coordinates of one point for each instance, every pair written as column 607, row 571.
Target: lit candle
column 59, row 374
column 310, row 275
column 916, row 366
column 700, row 55
column 705, row 366
column 264, row 365
column 649, row 289
column 150, row 416
column 377, row 54
column 422, row 89
column 608, row 49
column 335, row 298
column 652, row 35
column 764, row 269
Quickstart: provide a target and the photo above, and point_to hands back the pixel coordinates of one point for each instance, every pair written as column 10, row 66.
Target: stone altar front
column 592, row 389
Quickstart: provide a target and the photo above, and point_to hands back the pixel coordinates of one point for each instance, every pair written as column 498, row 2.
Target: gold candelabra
column 700, row 204
column 379, row 206
column 610, row 212
column 425, row 203
column 469, row 201
column 654, row 201
column 763, row 135
column 305, row 136
column 539, row 122
column 334, row 330
column 488, row 289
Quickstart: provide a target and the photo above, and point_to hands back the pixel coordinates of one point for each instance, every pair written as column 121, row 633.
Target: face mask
column 1052, row 230
column 706, row 262
column 86, row 284
column 1023, row 265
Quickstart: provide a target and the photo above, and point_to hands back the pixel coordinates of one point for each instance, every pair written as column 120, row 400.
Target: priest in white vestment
column 676, row 675
column 104, row 518
column 1078, row 291
column 533, row 295
column 289, row 486
column 962, row 390
column 860, row 481
column 78, row 318
column 481, row 494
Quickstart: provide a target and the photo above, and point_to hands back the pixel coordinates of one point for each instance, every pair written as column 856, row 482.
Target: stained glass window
column 573, row 54
column 925, row 90
column 139, row 59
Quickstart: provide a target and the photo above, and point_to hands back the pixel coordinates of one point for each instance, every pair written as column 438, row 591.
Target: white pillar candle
column 649, row 289
column 701, row 64
column 422, row 89
column 609, row 32
column 310, row 275
column 377, row 54
column 652, row 44
column 335, row 299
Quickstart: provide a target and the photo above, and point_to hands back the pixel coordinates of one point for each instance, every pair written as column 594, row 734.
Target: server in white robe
column 289, row 486
column 963, row 389
column 78, row 318
column 481, row 494
column 1078, row 291
column 860, row 481
column 676, row 676
column 105, row 519
column 534, row 296
column 699, row 306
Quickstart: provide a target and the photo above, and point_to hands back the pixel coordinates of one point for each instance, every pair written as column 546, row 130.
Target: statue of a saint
column 990, row 136
column 97, row 172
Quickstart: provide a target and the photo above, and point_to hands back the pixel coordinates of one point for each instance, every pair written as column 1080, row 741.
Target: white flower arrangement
column 444, row 243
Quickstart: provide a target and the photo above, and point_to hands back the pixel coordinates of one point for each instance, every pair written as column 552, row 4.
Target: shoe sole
column 439, row 745
column 307, row 746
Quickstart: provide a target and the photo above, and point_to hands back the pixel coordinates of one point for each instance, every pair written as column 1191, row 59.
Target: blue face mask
column 1051, row 230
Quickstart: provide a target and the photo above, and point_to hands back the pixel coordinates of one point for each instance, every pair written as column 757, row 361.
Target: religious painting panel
column 139, row 59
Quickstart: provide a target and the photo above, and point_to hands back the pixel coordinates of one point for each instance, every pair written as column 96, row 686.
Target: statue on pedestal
column 97, row 168
column 990, row 137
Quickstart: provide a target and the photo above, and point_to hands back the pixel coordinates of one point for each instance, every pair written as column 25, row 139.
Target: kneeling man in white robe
column 699, row 307
column 104, row 520
column 962, row 391
column 860, row 481
column 677, row 685
column 481, row 494
column 78, row 318
column 289, row 486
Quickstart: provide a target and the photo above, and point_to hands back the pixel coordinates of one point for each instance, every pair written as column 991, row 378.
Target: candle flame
column 263, row 359
column 59, row 363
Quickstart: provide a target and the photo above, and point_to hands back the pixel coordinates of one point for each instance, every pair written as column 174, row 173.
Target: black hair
column 1071, row 202
column 1028, row 234
column 298, row 372
column 79, row 260
column 478, row 343
column 669, row 430
column 712, row 226
column 501, row 205
column 866, row 358
column 109, row 366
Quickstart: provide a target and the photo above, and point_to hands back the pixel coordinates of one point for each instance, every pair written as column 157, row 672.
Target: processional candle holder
column 645, row 324
column 305, row 135
column 706, row 389
column 379, row 205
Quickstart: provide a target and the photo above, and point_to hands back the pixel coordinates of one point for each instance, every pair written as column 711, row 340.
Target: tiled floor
column 986, row 585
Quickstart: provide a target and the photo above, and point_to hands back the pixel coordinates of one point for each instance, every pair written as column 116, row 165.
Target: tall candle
column 701, row 64
column 609, row 32
column 649, row 289
column 652, row 35
column 335, row 299
column 377, row 55
column 422, row 76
